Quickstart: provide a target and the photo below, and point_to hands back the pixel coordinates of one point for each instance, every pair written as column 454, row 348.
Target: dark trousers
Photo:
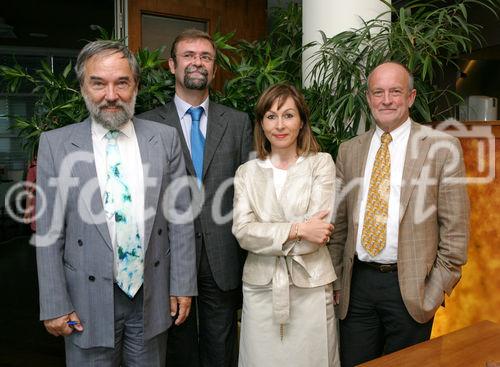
column 377, row 321
column 208, row 338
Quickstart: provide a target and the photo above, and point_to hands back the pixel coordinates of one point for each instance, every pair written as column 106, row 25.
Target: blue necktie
column 129, row 253
column 197, row 142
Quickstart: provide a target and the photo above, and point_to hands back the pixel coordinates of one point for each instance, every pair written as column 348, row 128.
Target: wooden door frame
column 137, row 8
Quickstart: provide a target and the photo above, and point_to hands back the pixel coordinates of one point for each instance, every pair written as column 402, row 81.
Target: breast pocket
column 68, row 266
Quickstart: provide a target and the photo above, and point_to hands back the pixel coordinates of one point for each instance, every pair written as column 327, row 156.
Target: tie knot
column 112, row 134
column 195, row 113
column 386, row 138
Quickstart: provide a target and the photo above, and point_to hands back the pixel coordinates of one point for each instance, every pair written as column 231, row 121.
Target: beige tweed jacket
column 433, row 213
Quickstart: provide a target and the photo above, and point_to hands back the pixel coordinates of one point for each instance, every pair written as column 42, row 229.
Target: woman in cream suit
column 282, row 210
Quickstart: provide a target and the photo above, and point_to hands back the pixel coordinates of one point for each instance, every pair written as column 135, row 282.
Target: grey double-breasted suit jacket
column 74, row 249
column 433, row 214
column 228, row 144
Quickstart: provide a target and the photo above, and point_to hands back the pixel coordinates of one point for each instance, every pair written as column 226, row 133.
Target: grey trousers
column 131, row 350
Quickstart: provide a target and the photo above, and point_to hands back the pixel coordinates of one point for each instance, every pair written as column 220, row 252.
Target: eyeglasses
column 191, row 56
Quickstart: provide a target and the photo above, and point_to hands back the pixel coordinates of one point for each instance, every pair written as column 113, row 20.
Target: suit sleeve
column 181, row 235
column 339, row 236
column 50, row 238
column 323, row 187
column 453, row 220
column 254, row 236
column 271, row 238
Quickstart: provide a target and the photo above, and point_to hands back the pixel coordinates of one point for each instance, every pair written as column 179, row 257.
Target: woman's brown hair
column 306, row 143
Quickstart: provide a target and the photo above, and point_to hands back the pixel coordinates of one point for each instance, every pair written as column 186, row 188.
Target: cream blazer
column 262, row 223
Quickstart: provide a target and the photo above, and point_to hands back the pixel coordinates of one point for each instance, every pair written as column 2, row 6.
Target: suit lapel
column 81, row 141
column 416, row 152
column 171, row 117
column 152, row 169
column 216, row 125
column 360, row 157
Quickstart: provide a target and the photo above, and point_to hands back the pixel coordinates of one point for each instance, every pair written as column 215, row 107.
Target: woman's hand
column 316, row 230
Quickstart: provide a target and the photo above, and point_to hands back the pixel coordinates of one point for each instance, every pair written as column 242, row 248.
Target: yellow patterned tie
column 374, row 232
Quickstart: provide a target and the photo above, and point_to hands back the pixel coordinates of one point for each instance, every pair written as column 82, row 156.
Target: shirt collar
column 99, row 131
column 397, row 133
column 182, row 106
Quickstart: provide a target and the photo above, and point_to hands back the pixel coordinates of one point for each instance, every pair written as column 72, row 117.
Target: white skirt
column 309, row 336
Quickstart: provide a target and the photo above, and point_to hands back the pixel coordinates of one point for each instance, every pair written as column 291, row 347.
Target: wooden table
column 472, row 346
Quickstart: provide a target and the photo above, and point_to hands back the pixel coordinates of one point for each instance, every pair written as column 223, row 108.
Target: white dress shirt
column 132, row 171
column 185, row 118
column 397, row 150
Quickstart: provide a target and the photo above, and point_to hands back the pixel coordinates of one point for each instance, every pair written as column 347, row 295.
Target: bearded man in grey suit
column 113, row 262
column 401, row 230
column 215, row 141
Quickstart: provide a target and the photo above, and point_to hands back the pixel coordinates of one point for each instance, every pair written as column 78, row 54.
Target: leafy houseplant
column 157, row 85
column 257, row 65
column 425, row 36
column 59, row 102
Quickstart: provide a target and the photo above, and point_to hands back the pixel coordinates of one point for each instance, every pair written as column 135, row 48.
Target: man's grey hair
column 108, row 47
column 411, row 82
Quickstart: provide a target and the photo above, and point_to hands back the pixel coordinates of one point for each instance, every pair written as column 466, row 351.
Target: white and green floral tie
column 129, row 253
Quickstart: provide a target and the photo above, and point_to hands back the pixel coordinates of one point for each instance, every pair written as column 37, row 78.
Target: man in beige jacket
column 401, row 229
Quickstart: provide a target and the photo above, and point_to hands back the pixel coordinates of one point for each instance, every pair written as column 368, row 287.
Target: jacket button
column 91, row 278
column 159, row 232
column 157, row 262
column 80, row 243
column 198, row 234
